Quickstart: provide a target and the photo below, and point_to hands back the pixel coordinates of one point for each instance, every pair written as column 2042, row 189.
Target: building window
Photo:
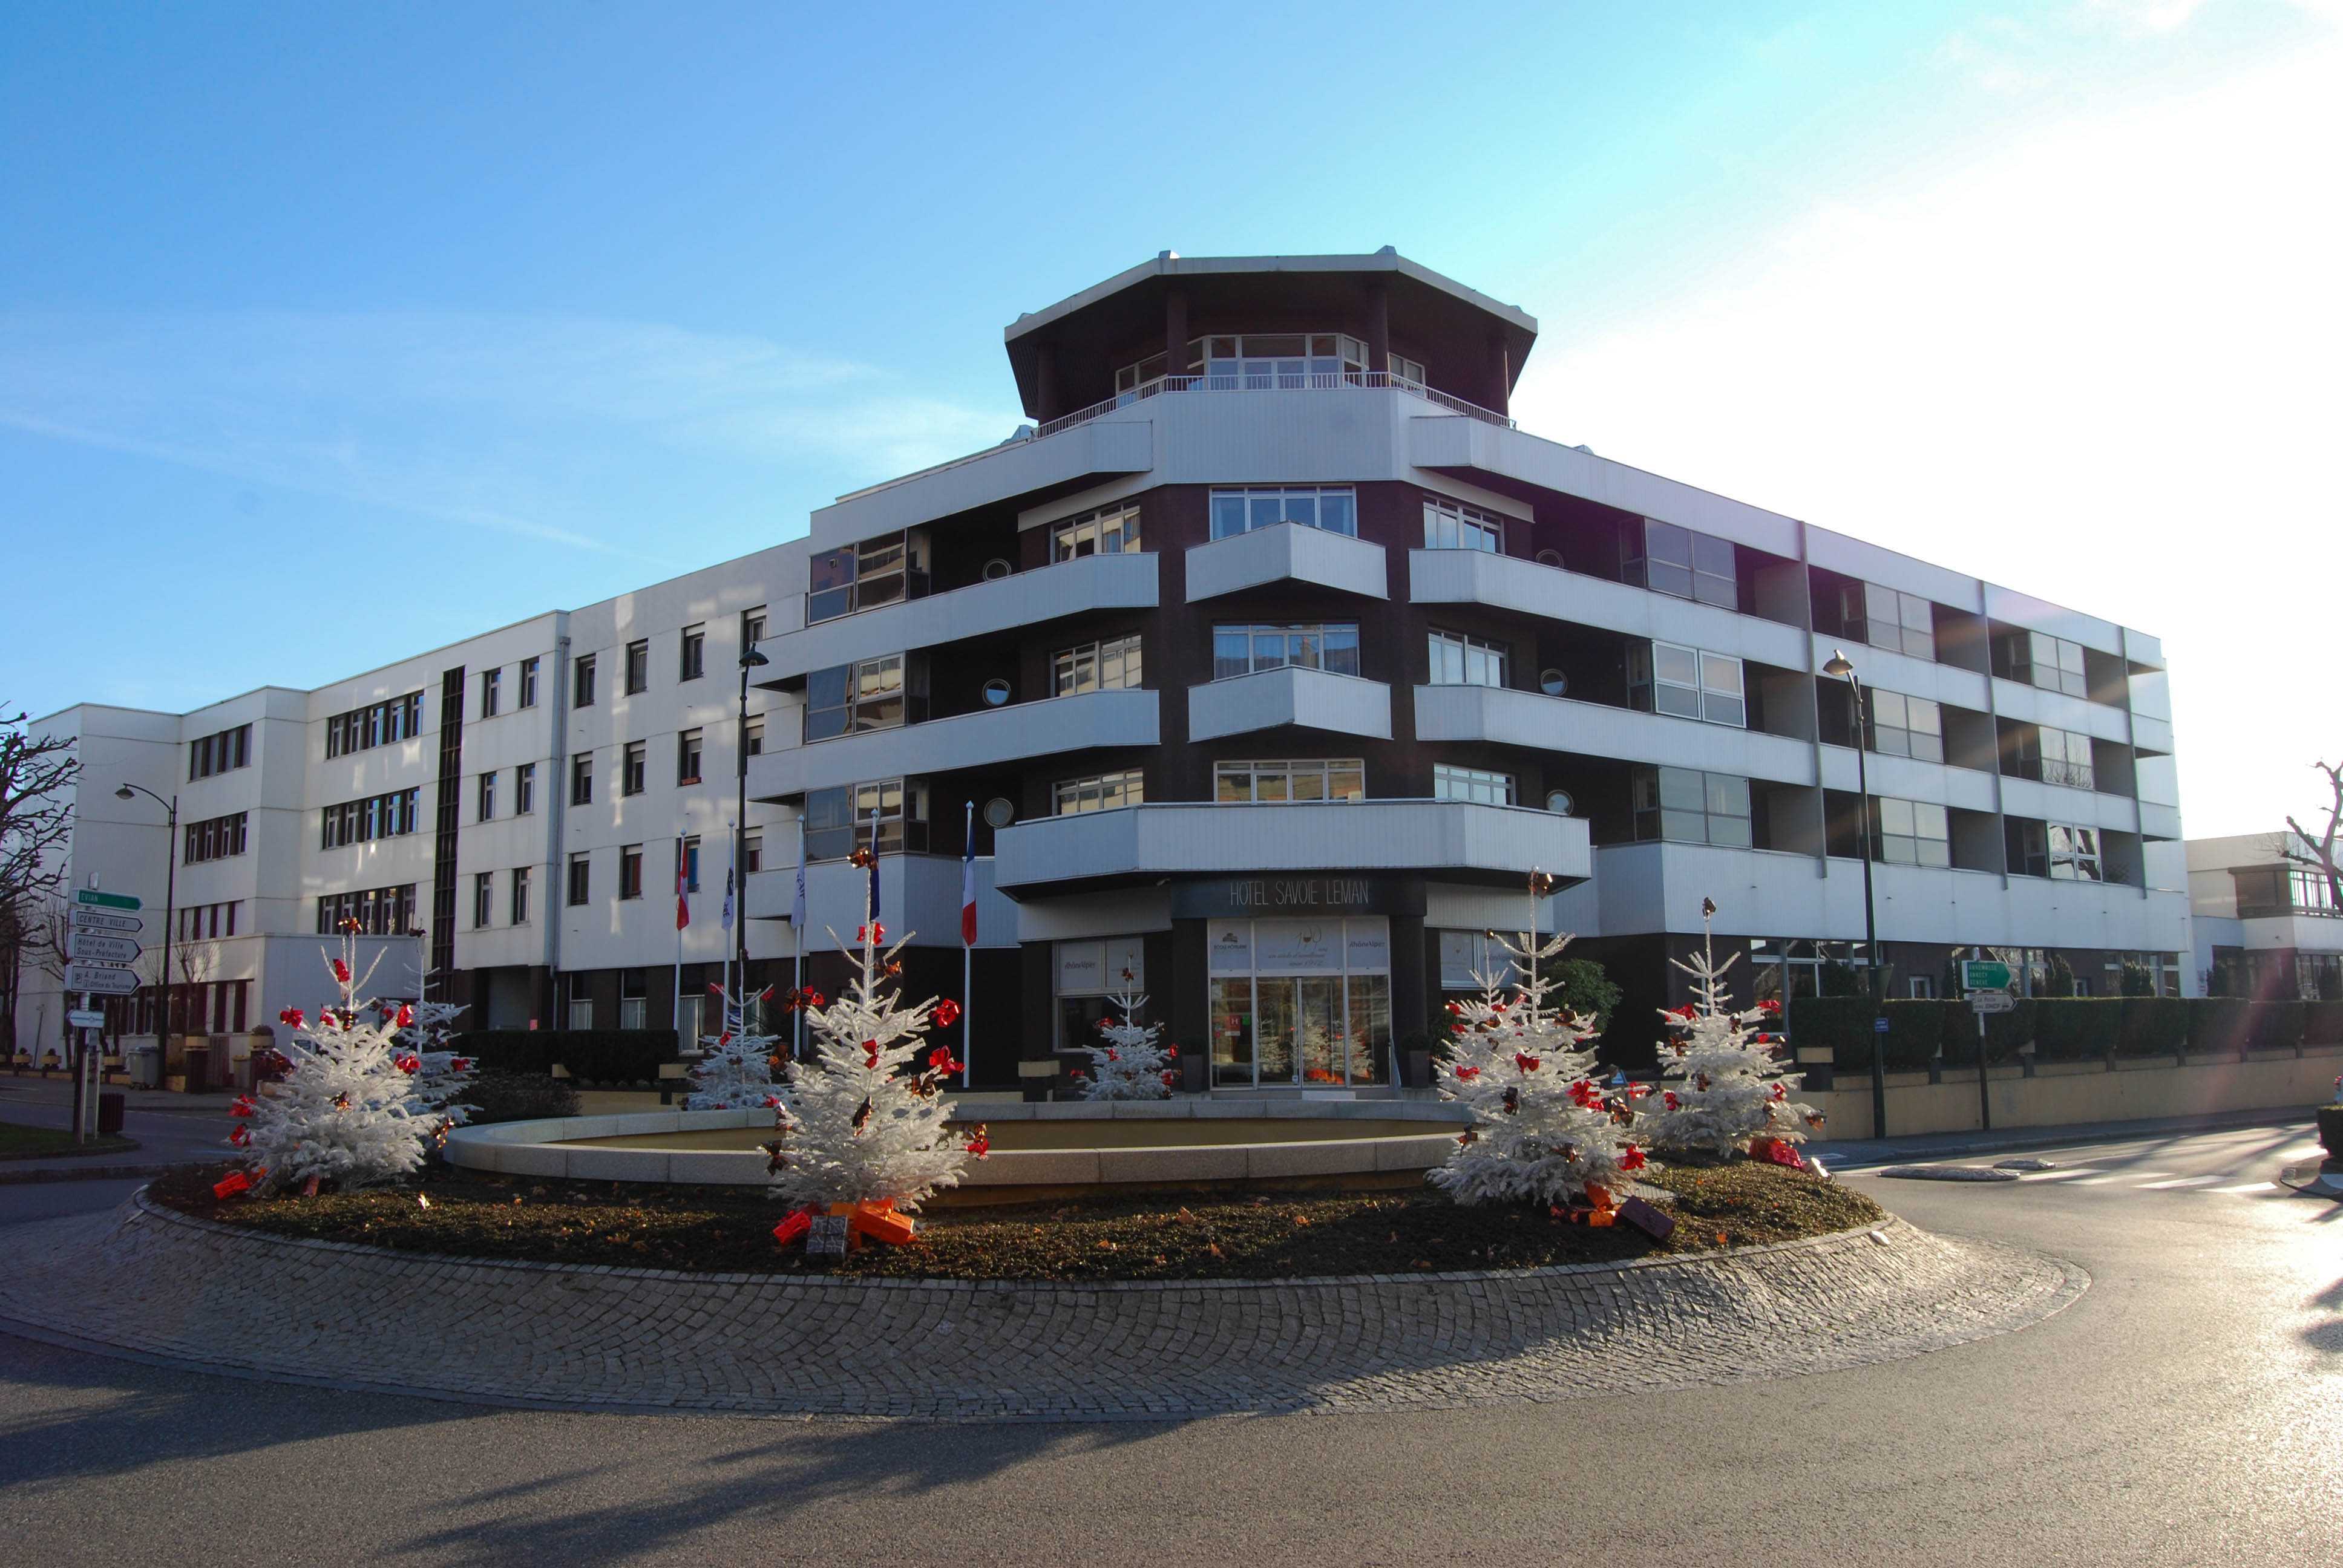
column 1905, row 726
column 525, row 789
column 520, row 895
column 754, row 736
column 1887, row 617
column 377, row 724
column 1330, row 646
column 528, row 667
column 838, row 820
column 1305, row 1001
column 491, row 684
column 1673, row 560
column 582, row 692
column 1668, row 677
column 752, row 852
column 375, row 817
column 2051, row 663
column 1460, row 660
column 1101, row 792
column 2060, row 852
column 1108, row 531
column 1686, row 806
column 881, row 570
column 581, row 1003
column 1407, row 372
column 2057, row 757
column 1098, row 666
column 483, row 896
column 379, row 912
column 581, row 877
column 634, row 998
column 488, row 797
column 692, row 660
column 638, row 666
column 1279, row 361
column 687, row 756
column 581, row 779
column 1286, row 781
column 848, row 698
column 691, row 852
column 630, row 871
column 1475, row 784
column 753, row 628
column 1335, row 509
column 1911, row 833
column 1450, row 526
column 632, row 769
column 221, row 753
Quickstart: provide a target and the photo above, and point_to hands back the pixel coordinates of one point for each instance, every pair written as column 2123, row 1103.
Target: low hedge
column 2076, row 1028
column 2154, row 1025
column 2229, row 1026
column 591, row 1055
column 2322, row 1023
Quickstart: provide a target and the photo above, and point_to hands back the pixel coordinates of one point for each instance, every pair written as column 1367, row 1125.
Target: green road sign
column 88, row 899
column 1984, row 974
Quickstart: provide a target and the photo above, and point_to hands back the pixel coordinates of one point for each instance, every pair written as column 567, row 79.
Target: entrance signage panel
column 1297, row 946
column 1321, row 895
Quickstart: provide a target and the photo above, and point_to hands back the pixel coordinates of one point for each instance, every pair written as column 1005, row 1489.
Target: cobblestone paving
column 162, row 1286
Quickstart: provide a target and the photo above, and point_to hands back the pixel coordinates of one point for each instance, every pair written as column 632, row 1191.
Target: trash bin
column 198, row 1068
column 109, row 1113
column 145, row 1062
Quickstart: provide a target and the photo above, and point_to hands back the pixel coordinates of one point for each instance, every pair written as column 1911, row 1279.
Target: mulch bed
column 1265, row 1236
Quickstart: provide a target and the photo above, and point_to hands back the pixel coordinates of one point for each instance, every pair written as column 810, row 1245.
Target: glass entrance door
column 1275, row 1019
column 1320, row 1030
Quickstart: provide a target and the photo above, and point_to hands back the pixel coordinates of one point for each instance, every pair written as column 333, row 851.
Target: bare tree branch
column 2322, row 846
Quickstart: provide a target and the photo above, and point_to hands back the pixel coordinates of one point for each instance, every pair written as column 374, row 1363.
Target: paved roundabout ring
column 159, row 1286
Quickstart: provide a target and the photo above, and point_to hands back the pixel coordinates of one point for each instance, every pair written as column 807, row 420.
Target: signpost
column 1988, row 982
column 1982, row 1002
column 91, row 898
column 80, row 1020
column 1984, row 974
column 99, row 979
column 101, row 947
column 103, row 927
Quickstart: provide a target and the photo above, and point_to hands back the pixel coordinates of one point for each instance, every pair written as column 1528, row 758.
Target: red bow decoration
column 947, row 1013
column 772, row 1102
column 1467, row 1074
column 405, row 1016
column 979, row 1143
column 812, row 998
column 236, row 1181
column 1781, row 1092
column 460, row 1064
column 240, row 1106
column 1171, row 1080
column 1170, row 1053
column 1078, row 1076
column 1631, row 1158
column 341, row 972
column 869, row 1053
column 239, row 1136
column 941, row 1058
column 1771, row 1006
column 408, row 1064
column 291, row 1017
column 1528, row 1064
column 1671, row 1098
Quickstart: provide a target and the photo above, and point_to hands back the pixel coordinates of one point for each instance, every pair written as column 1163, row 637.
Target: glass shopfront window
column 1087, row 974
column 1300, row 1001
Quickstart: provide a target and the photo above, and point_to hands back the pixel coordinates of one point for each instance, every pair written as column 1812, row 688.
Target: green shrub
column 2004, row 1033
column 1915, row 1030
column 519, row 1097
column 2227, row 1025
column 2076, row 1028
column 591, row 1055
column 2322, row 1023
column 2277, row 1025
column 1841, row 1022
column 2154, row 1025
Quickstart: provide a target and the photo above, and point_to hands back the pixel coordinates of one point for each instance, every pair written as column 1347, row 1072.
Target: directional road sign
column 98, row 948
column 77, row 1019
column 100, row 979
column 99, row 920
column 1985, row 1001
column 90, row 898
column 1984, row 974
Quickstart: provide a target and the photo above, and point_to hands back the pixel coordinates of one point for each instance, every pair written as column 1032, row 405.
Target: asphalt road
column 2187, row 1410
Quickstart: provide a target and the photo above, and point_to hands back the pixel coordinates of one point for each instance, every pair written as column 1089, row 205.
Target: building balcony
column 1013, row 470
column 1026, row 729
column 980, row 609
column 1508, row 582
column 1507, row 717
column 1286, row 553
column 1877, row 668
column 1450, row 839
column 919, row 898
column 1295, row 381
column 1312, row 698
column 2032, row 705
column 1906, row 778
column 2056, row 803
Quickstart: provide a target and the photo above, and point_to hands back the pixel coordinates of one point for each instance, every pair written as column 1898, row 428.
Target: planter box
column 2330, row 1129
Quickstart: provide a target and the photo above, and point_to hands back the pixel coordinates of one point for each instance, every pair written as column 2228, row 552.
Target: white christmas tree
column 1727, row 1086
column 871, row 1117
column 735, row 1070
column 426, row 1028
column 1131, row 1065
column 347, row 1111
column 1543, row 1130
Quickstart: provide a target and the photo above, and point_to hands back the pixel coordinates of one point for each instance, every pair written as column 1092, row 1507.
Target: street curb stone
column 164, row 1288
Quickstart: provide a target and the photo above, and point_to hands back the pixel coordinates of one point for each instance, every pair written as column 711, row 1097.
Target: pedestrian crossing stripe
column 2120, row 1176
column 2246, row 1187
column 2177, row 1181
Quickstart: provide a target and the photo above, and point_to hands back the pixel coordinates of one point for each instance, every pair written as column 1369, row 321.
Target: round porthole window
column 996, row 568
column 996, row 692
column 1549, row 559
column 1553, row 683
column 998, row 813
column 1559, row 802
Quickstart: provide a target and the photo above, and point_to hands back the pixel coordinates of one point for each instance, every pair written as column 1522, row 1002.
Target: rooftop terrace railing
column 1273, row 381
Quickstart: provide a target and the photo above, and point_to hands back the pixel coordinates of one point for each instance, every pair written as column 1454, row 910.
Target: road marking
column 2060, row 1175
column 2247, row 1187
column 2120, row 1176
column 2175, row 1182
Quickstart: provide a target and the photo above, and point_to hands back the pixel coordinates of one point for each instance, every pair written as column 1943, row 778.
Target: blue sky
column 332, row 333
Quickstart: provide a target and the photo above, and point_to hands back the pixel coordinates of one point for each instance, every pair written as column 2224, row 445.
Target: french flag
column 967, row 882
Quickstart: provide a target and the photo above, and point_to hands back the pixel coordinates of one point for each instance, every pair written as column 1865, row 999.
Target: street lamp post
column 170, row 915
column 749, row 659
column 1843, row 668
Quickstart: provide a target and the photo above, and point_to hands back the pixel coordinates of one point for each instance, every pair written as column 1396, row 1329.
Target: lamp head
column 753, row 658
column 125, row 793
column 1838, row 665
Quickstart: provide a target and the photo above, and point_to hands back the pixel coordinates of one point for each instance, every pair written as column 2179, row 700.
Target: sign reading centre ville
column 1274, row 895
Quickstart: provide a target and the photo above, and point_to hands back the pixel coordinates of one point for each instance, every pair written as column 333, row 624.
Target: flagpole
column 681, row 1044
column 729, row 870
column 797, row 940
column 967, row 958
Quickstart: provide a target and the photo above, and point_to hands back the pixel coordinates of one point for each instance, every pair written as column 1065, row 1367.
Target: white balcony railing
column 1296, row 381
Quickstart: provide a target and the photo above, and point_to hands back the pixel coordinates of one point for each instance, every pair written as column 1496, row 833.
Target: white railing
column 1271, row 381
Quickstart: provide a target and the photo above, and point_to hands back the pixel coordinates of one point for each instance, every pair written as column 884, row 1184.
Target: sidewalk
column 1856, row 1154
column 170, row 1129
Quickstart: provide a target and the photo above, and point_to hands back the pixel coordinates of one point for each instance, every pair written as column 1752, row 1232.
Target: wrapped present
column 237, row 1182
column 795, row 1226
column 879, row 1222
column 1652, row 1221
column 1774, row 1152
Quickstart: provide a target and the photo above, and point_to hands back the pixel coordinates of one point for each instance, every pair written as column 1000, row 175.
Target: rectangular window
column 752, row 852
column 581, row 779
column 2061, row 852
column 630, row 871
column 375, row 817
column 1888, row 617
column 483, row 896
column 581, row 1003
column 753, row 628
column 692, row 865
column 692, row 660
column 634, row 1000
column 528, row 667
column 850, row 698
column 1330, row 646
column 1911, row 833
column 1332, row 508
column 754, row 736
column 2066, row 758
column 378, row 911
column 838, row 820
column 1689, row 807
column 638, row 666
column 1687, row 682
column 520, row 895
column 377, row 724
column 580, row 878
column 221, row 753
column 881, row 570
column 1460, row 660
column 1676, row 561
column 1108, row 531
column 631, row 768
column 491, row 684
column 525, row 789
column 687, row 756
column 1451, row 526
column 488, row 797
column 1905, row 726
column 1101, row 792
column 1098, row 666
column 2051, row 663
column 582, row 687
column 1284, row 781
column 1475, row 784
column 1407, row 372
